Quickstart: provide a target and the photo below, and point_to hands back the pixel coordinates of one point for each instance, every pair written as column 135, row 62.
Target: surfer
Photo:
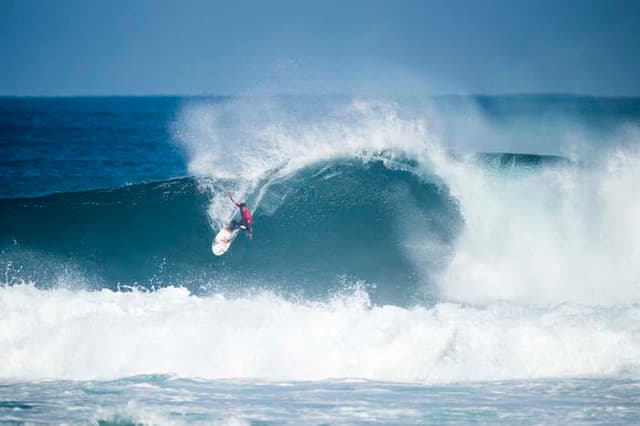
column 246, row 220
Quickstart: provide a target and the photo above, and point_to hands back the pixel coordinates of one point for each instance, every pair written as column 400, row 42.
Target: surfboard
column 223, row 240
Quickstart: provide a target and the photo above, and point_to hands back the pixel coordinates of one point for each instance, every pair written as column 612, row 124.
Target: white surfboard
column 223, row 240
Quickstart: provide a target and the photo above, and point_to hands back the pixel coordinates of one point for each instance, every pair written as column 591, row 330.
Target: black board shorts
column 235, row 224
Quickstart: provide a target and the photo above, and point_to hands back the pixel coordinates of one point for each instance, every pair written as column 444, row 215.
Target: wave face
column 333, row 221
column 325, row 226
column 379, row 253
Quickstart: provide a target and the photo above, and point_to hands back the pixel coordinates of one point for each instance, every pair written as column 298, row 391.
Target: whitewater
column 405, row 251
column 265, row 337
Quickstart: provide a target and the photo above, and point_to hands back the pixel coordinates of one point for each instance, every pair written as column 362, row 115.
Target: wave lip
column 263, row 336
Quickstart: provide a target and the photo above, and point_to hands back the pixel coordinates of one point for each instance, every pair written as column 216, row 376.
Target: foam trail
column 101, row 335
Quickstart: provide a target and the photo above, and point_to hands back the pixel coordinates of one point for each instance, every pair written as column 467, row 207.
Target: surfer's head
column 242, row 205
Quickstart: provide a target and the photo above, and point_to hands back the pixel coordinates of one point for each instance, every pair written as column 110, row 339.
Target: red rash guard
column 247, row 219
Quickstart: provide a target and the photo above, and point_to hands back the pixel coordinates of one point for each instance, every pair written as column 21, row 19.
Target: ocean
column 433, row 260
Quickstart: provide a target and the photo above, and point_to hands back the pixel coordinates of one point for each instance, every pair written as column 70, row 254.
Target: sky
column 400, row 47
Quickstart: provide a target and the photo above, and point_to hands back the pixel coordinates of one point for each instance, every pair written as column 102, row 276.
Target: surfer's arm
column 233, row 201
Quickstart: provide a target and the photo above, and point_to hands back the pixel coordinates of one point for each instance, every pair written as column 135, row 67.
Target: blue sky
column 89, row 47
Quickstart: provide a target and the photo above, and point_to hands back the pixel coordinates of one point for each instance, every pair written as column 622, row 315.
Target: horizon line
column 246, row 95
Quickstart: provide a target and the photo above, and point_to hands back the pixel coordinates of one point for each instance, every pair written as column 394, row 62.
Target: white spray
column 547, row 235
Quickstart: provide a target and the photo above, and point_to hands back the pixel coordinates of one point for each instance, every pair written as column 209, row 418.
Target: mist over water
column 562, row 234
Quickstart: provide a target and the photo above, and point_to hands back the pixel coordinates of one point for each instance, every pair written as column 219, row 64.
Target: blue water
column 441, row 260
column 70, row 144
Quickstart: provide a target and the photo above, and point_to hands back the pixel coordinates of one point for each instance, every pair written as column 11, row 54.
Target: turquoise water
column 445, row 260
column 165, row 399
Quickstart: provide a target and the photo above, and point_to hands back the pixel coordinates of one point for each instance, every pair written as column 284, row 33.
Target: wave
column 521, row 228
column 324, row 225
column 103, row 334
column 316, row 229
column 363, row 192
column 378, row 254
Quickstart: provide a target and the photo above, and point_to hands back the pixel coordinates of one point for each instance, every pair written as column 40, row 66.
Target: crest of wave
column 251, row 142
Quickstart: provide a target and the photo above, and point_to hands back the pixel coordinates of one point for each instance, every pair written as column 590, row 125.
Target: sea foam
column 65, row 334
